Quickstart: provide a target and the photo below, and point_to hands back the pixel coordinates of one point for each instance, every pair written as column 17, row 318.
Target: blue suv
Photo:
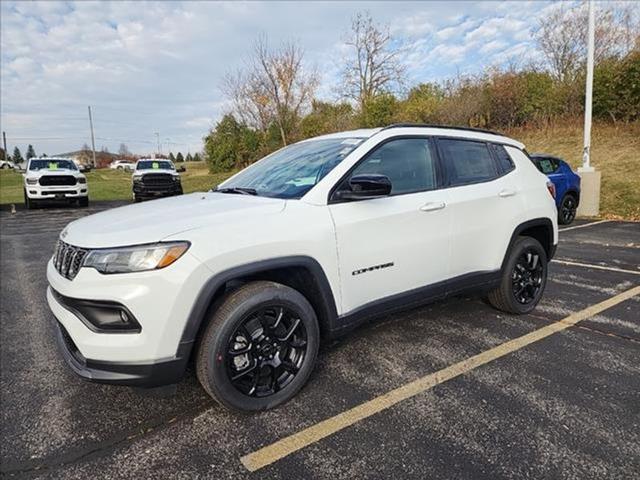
column 567, row 184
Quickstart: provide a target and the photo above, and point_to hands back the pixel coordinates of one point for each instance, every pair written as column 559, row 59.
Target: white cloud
column 157, row 66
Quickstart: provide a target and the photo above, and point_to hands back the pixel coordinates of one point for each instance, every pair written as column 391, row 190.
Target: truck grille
column 68, row 259
column 157, row 179
column 51, row 180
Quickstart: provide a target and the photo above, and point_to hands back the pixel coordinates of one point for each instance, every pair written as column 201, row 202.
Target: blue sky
column 157, row 67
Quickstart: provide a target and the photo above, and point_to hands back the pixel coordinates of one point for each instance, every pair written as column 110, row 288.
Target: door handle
column 507, row 192
column 433, row 206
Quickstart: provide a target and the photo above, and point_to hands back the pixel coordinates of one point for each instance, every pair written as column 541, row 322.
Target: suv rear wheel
column 259, row 347
column 523, row 279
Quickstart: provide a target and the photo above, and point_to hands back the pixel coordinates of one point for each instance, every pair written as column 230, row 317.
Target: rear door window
column 467, row 161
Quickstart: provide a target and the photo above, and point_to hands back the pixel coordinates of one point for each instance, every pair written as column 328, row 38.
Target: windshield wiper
column 240, row 190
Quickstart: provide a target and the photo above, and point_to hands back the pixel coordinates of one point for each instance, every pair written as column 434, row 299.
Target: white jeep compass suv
column 305, row 244
column 54, row 179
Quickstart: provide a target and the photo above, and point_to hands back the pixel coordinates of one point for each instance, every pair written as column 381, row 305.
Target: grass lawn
column 615, row 152
column 106, row 184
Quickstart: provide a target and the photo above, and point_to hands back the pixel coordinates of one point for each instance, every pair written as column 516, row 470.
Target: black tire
column 511, row 296
column 136, row 199
column 83, row 201
column 30, row 204
column 240, row 311
column 567, row 209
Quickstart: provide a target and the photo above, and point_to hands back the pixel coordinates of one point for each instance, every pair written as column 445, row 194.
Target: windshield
column 154, row 165
column 294, row 170
column 51, row 164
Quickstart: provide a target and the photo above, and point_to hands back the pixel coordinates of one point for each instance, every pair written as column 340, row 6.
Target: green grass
column 106, row 184
column 615, row 151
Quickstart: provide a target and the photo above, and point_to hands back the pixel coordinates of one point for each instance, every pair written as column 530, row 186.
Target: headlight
column 82, row 180
column 137, row 178
column 32, row 181
column 176, row 178
column 135, row 259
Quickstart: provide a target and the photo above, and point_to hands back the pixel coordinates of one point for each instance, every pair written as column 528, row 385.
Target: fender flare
column 207, row 293
column 550, row 247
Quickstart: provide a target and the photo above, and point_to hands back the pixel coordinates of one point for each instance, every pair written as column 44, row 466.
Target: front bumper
column 159, row 300
column 56, row 192
column 131, row 374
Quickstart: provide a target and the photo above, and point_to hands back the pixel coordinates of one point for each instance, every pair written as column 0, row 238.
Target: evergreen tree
column 17, row 156
column 179, row 157
column 172, row 157
column 189, row 158
column 196, row 157
column 31, row 153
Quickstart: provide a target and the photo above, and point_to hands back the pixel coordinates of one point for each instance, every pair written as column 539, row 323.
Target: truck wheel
column 523, row 279
column 259, row 347
column 136, row 199
column 83, row 202
column 30, row 204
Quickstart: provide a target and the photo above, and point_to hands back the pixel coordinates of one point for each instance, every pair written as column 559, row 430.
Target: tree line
column 273, row 97
column 17, row 157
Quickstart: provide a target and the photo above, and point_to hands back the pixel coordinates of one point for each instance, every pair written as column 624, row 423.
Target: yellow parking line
column 596, row 267
column 288, row 445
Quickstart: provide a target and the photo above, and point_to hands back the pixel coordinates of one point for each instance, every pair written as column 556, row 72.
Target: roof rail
column 450, row 127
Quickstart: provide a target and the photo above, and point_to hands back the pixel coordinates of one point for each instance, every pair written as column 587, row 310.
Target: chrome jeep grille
column 68, row 259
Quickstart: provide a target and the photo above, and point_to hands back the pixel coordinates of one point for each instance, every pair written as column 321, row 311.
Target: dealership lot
column 566, row 406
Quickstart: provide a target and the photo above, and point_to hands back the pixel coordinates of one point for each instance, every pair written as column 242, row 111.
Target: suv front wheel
column 523, row 278
column 259, row 347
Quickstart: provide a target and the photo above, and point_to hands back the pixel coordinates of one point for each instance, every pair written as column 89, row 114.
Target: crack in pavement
column 108, row 445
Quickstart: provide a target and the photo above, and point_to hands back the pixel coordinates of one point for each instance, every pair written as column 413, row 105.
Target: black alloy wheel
column 527, row 277
column 266, row 351
column 523, row 277
column 259, row 346
column 568, row 208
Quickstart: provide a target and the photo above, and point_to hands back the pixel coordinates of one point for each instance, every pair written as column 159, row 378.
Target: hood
column 156, row 220
column 58, row 171
column 155, row 170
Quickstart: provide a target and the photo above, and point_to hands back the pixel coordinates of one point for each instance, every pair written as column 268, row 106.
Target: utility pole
column 158, row 140
column 93, row 141
column 4, row 142
column 590, row 191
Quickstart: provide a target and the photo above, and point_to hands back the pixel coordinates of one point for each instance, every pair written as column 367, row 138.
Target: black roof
column 450, row 127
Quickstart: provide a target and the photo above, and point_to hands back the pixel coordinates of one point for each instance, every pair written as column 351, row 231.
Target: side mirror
column 364, row 187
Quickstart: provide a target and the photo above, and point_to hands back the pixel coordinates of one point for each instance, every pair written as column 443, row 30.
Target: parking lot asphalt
column 566, row 406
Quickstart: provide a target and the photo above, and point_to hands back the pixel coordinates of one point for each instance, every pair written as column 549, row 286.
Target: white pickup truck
column 54, row 179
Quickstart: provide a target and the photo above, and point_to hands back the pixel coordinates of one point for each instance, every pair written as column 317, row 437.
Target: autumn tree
column 562, row 37
column 274, row 88
column 374, row 67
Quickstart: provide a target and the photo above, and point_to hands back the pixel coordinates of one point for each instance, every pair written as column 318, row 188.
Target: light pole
column 590, row 178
